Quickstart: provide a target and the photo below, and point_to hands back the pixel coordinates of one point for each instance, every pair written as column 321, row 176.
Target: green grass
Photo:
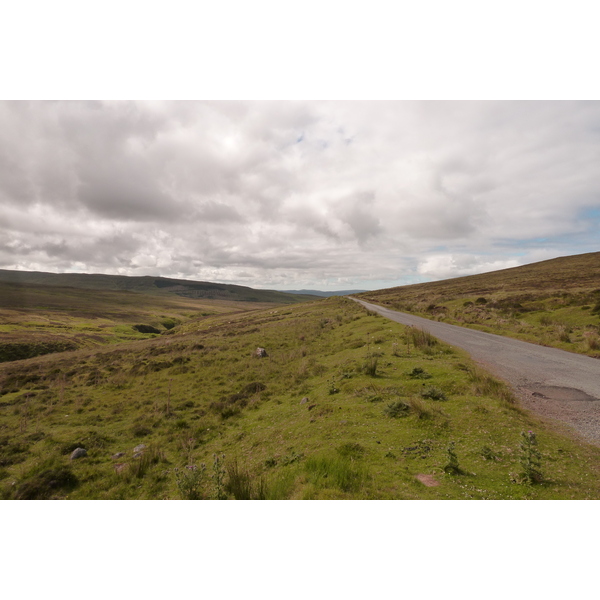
column 553, row 303
column 41, row 319
column 201, row 392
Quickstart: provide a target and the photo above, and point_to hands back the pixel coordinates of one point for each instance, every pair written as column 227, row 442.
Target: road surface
column 550, row 382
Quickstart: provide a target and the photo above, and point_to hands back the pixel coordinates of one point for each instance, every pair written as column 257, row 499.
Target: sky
column 297, row 194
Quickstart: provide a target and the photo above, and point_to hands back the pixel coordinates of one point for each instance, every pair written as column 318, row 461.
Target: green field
column 37, row 319
column 554, row 303
column 346, row 405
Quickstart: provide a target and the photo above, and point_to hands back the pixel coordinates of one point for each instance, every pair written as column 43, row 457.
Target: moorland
column 553, row 303
column 342, row 404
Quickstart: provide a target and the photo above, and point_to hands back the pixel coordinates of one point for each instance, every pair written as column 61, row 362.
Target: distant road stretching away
column 551, row 382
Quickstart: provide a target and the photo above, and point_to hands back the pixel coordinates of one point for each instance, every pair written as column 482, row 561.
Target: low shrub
column 397, row 409
column 419, row 373
column 434, row 393
column 190, row 481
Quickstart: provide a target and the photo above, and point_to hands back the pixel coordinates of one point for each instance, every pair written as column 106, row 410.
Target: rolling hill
column 554, row 302
column 149, row 285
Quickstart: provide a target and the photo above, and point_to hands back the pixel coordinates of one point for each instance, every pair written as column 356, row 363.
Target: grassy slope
column 150, row 285
column 553, row 303
column 37, row 319
column 202, row 392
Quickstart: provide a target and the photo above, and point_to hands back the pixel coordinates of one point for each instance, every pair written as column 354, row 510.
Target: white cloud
column 296, row 193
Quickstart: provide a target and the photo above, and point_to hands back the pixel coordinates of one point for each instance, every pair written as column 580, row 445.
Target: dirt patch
column 428, row 480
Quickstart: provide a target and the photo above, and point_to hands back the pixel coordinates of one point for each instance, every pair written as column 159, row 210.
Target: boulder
column 140, row 448
column 78, row 453
column 261, row 353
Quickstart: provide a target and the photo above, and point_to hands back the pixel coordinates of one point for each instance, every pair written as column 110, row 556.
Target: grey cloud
column 276, row 191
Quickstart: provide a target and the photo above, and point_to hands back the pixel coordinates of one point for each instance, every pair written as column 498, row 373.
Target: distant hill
column 581, row 271
column 152, row 285
column 554, row 302
column 325, row 294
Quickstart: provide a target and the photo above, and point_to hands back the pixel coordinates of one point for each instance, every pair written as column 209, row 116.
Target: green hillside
column 40, row 318
column 555, row 302
column 345, row 405
column 151, row 285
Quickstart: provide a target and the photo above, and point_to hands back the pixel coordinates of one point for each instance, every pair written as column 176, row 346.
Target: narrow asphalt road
column 550, row 382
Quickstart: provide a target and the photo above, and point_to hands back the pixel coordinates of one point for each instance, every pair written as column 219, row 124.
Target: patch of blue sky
column 591, row 214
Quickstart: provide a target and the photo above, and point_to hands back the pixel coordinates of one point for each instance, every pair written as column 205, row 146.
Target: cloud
column 296, row 193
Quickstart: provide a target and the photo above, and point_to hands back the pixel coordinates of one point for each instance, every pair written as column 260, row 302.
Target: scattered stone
column 138, row 455
column 118, row 455
column 140, row 448
column 304, row 400
column 78, row 453
column 311, row 406
column 261, row 353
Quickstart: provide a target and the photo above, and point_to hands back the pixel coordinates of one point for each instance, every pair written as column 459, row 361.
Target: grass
column 42, row 319
column 554, row 303
column 286, row 435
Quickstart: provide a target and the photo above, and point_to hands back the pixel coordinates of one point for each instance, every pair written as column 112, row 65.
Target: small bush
column 434, row 393
column 481, row 300
column 397, row 409
column 419, row 373
column 530, row 459
column 189, row 481
column 452, row 467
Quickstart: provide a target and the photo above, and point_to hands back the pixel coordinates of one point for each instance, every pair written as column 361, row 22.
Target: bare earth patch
column 428, row 480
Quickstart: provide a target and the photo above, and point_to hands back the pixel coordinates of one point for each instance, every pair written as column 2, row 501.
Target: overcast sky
column 289, row 195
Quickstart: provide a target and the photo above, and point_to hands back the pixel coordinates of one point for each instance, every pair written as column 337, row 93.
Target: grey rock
column 261, row 352
column 304, row 400
column 138, row 455
column 118, row 455
column 78, row 453
column 140, row 448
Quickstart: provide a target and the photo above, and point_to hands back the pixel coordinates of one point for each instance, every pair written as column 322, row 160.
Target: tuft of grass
column 419, row 373
column 420, row 338
column 352, row 450
column 434, row 393
column 242, row 485
column 397, row 409
column 370, row 365
column 335, row 471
